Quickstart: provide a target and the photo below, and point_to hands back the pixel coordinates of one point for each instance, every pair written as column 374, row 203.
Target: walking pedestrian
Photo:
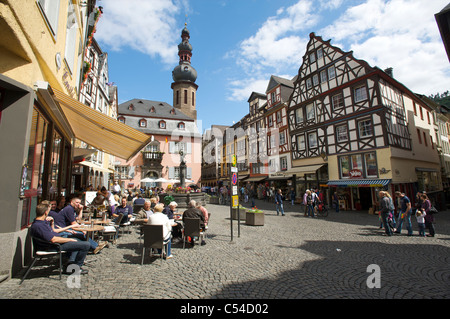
column 292, row 196
column 429, row 218
column 305, row 202
column 309, row 204
column 405, row 213
column 279, row 202
column 420, row 216
column 336, row 202
column 385, row 211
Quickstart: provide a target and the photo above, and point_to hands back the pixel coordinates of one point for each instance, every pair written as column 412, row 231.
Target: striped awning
column 360, row 182
column 99, row 130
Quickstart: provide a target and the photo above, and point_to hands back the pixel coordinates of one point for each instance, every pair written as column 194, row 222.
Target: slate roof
column 155, row 109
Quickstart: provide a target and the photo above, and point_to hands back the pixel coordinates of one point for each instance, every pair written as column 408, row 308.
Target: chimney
column 389, row 71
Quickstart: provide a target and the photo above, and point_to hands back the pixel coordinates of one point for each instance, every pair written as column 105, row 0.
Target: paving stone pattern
column 289, row 257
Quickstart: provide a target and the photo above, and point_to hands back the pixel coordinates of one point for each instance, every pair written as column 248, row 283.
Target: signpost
column 234, row 203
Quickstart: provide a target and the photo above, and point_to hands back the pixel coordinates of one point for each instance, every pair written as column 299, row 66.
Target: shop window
column 370, row 162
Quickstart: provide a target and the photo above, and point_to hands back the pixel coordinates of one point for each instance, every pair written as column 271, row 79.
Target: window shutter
column 172, row 172
column 188, row 148
column 188, row 172
column 171, row 147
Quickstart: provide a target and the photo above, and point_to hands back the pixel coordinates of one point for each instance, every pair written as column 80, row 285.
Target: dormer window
column 162, row 124
column 121, row 119
column 152, row 110
column 181, row 126
column 172, row 111
column 142, row 123
column 131, row 107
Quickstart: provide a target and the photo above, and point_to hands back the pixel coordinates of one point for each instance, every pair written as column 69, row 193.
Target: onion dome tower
column 184, row 77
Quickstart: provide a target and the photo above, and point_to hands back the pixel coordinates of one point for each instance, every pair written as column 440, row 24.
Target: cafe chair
column 191, row 229
column 44, row 249
column 137, row 208
column 112, row 230
column 153, row 239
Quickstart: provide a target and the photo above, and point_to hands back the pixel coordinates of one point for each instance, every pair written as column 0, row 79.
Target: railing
column 153, row 156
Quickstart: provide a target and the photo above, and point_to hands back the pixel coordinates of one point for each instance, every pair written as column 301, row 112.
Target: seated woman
column 158, row 218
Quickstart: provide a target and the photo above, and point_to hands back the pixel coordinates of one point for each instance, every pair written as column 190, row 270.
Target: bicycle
column 321, row 210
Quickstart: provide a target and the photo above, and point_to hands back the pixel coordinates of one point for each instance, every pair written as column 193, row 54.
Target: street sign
column 234, row 179
column 233, row 161
column 235, row 201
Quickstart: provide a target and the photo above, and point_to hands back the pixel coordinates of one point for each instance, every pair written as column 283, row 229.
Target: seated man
column 44, row 230
column 125, row 209
column 68, row 216
column 170, row 209
column 143, row 215
column 158, row 218
column 139, row 200
column 193, row 212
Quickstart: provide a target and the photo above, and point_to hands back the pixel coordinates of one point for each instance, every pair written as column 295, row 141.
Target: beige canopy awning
column 99, row 130
column 301, row 170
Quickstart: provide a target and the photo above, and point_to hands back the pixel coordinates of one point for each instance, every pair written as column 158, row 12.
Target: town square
column 224, row 155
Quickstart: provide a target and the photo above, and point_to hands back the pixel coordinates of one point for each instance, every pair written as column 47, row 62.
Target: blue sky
column 238, row 45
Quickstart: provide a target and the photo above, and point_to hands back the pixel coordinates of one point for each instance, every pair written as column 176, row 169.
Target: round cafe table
column 97, row 221
column 89, row 228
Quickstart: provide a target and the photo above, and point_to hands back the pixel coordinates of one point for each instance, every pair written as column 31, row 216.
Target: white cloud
column 386, row 33
column 146, row 26
column 398, row 33
column 277, row 46
column 241, row 89
column 278, row 41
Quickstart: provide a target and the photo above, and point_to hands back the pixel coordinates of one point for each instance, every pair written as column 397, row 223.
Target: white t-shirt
column 161, row 219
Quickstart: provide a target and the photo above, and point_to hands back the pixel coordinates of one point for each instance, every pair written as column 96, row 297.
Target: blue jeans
column 81, row 236
column 310, row 210
column 78, row 251
column 169, row 247
column 384, row 217
column 280, row 207
column 407, row 218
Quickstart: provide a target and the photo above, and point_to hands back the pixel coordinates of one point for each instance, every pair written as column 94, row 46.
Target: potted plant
column 254, row 217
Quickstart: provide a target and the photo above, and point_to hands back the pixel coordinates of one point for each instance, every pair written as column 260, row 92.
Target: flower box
column 234, row 213
column 254, row 217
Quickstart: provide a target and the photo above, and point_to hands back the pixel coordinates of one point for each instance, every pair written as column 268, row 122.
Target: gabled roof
column 256, row 95
column 151, row 109
column 276, row 80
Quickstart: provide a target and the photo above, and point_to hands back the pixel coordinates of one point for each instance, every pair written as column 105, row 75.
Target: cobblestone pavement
column 289, row 257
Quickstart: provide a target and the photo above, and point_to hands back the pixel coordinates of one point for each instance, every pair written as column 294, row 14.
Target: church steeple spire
column 184, row 77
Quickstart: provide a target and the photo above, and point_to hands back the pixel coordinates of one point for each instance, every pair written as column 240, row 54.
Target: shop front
column 357, row 194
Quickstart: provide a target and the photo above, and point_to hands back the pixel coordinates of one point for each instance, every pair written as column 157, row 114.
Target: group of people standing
column 393, row 223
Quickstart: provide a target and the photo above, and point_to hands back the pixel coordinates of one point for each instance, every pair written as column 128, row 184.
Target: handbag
column 433, row 210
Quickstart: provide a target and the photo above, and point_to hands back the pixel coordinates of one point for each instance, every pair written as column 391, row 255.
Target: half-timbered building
column 278, row 142
column 354, row 131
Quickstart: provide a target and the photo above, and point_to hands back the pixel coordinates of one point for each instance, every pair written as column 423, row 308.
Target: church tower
column 184, row 76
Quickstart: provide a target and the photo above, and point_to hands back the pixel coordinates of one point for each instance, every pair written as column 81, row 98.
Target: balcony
column 152, row 159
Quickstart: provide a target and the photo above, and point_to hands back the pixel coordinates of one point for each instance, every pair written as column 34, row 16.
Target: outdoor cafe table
column 89, row 228
column 96, row 221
